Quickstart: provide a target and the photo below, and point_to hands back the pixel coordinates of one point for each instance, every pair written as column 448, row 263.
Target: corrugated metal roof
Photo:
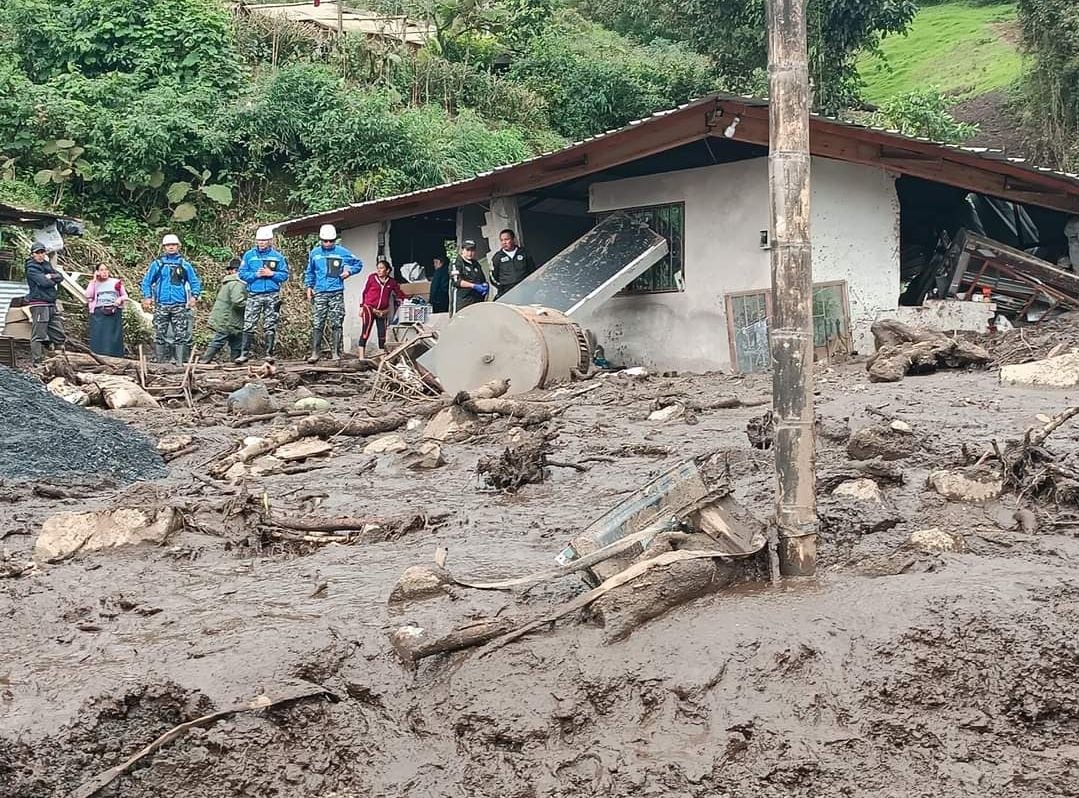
column 8, row 292
column 989, row 159
column 14, row 215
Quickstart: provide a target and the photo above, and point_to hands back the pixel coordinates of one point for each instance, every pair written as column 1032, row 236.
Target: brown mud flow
column 903, row 670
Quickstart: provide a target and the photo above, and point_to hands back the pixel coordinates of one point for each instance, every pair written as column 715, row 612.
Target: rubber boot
column 161, row 353
column 245, row 349
column 271, row 339
column 210, row 353
column 183, row 353
column 316, row 344
column 37, row 351
column 336, row 336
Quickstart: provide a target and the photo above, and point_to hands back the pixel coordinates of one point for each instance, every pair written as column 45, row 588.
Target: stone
column 636, row 373
column 428, row 456
column 880, row 440
column 253, row 440
column 236, row 472
column 65, row 534
column 303, row 448
column 453, row 424
column 312, row 404
column 420, row 582
column 935, row 540
column 865, row 490
column 171, row 444
column 1061, row 371
column 251, row 400
column 836, row 430
column 901, row 426
column 388, row 444
column 967, row 485
column 413, row 424
column 668, row 413
column 261, row 466
column 58, row 386
column 303, row 392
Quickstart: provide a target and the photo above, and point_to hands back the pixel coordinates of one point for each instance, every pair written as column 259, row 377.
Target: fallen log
column 296, row 693
column 723, row 403
column 413, row 643
column 902, row 349
column 526, row 413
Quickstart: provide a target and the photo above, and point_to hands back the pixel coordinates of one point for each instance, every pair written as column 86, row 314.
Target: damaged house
column 896, row 222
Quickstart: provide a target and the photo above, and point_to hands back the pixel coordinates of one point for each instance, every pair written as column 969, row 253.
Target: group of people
column 250, row 295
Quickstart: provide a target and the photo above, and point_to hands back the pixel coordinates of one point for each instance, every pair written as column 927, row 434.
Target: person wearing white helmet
column 328, row 266
column 265, row 270
column 171, row 289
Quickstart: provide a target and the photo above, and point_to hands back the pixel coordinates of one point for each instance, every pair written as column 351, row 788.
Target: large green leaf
column 43, row 177
column 222, row 195
column 184, row 212
column 157, row 179
column 177, row 191
column 65, row 144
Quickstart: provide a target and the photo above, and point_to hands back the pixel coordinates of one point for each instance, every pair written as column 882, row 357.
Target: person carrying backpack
column 171, row 289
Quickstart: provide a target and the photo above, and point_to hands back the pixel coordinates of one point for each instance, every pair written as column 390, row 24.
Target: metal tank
column 530, row 346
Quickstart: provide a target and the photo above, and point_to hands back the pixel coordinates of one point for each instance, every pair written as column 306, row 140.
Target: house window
column 669, row 274
column 749, row 315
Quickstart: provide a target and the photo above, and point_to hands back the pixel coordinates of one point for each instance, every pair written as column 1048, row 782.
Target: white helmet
column 264, row 234
column 327, row 232
column 170, row 239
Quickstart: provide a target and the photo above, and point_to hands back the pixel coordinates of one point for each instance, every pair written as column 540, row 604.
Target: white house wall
column 855, row 232
column 363, row 243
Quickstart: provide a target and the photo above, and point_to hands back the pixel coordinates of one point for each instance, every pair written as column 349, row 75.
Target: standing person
column 440, row 286
column 227, row 317
column 106, row 297
column 171, row 289
column 378, row 306
column 511, row 264
column 328, row 266
column 468, row 279
column 264, row 269
column 46, row 324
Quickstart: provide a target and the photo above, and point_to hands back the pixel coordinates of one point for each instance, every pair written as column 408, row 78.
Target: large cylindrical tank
column 530, row 346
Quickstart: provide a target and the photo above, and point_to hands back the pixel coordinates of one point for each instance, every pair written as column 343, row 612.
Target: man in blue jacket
column 328, row 266
column 171, row 289
column 264, row 269
column 46, row 325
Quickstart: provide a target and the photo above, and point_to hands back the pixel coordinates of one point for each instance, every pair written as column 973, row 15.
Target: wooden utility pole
column 792, row 287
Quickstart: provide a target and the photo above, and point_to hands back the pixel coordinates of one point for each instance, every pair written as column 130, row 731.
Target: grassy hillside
column 964, row 50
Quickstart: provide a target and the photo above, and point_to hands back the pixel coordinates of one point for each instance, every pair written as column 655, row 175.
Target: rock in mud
column 420, row 582
column 880, row 440
column 303, row 448
column 836, row 430
column 761, row 431
column 427, row 457
column 251, row 400
column 668, row 413
column 1061, row 371
column 66, row 534
column 388, row 444
column 312, row 404
column 936, row 540
column 865, row 490
column 64, row 439
column 967, row 485
column 171, row 444
column 453, row 424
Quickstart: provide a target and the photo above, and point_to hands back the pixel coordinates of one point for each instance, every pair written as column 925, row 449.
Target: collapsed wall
column 42, row 435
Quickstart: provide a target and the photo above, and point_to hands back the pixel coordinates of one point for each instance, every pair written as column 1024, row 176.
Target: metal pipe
column 792, row 287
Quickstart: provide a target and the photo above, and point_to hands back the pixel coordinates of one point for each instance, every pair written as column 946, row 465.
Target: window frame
column 680, row 286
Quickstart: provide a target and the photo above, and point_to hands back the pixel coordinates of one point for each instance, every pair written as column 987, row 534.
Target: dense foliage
column 922, row 113
column 1051, row 89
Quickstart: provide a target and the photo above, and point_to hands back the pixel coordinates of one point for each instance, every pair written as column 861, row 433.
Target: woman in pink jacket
column 105, row 295
column 378, row 303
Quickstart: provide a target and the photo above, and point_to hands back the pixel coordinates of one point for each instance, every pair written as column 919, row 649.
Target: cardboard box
column 417, row 289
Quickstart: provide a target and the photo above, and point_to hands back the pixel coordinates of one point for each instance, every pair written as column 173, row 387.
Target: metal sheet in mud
column 593, row 268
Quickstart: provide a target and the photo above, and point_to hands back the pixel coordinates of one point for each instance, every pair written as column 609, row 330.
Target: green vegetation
column 963, row 49
column 1051, row 87
column 922, row 113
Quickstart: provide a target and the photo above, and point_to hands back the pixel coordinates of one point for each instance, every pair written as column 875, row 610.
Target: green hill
column 963, row 49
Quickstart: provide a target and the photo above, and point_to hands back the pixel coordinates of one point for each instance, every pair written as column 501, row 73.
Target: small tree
column 923, row 112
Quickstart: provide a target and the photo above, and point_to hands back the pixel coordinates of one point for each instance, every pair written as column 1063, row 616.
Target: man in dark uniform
column 469, row 281
column 511, row 264
column 440, row 286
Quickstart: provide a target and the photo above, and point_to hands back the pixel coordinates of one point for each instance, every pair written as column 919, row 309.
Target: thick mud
column 894, row 673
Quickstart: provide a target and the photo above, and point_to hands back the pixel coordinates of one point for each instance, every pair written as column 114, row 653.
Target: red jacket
column 376, row 294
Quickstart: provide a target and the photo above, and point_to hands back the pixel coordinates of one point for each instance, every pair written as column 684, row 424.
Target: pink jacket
column 376, row 294
column 110, row 291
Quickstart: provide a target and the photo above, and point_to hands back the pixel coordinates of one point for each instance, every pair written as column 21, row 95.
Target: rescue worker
column 440, row 286
column 328, row 266
column 227, row 317
column 469, row 281
column 511, row 264
column 378, row 307
column 46, row 323
column 171, row 288
column 264, row 269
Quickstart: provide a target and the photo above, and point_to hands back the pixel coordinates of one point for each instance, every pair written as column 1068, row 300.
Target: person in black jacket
column 511, row 264
column 440, row 286
column 469, row 281
column 46, row 324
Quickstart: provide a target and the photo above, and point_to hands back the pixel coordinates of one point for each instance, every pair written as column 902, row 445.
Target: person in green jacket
column 227, row 316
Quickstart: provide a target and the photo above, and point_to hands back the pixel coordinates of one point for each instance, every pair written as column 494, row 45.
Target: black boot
column 161, row 353
column 183, row 354
column 336, row 335
column 271, row 339
column 316, row 344
column 245, row 349
column 37, row 351
column 211, row 352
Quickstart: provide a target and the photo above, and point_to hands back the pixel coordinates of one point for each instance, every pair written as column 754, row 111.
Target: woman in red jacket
column 378, row 303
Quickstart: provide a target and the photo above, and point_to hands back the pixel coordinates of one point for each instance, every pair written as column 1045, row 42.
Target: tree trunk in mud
column 792, row 323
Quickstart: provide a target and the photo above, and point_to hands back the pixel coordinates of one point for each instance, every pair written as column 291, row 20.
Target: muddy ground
column 894, row 673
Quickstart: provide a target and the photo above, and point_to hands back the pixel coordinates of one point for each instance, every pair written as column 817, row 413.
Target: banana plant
column 69, row 164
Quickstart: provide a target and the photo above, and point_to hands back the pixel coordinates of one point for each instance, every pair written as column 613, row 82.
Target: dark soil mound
column 44, row 436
